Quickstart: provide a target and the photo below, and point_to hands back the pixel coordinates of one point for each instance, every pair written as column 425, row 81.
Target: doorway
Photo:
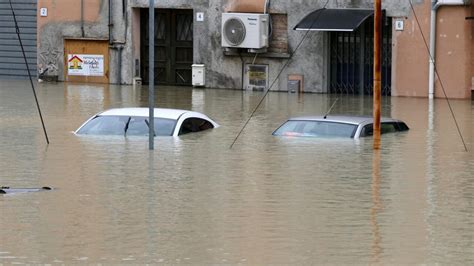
column 351, row 59
column 173, row 46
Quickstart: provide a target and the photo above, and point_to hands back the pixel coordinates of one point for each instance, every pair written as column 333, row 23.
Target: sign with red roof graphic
column 85, row 65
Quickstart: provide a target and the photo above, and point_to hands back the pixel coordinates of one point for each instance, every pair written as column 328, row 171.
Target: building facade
column 111, row 38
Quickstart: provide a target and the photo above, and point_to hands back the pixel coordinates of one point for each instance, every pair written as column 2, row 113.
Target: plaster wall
column 454, row 53
column 64, row 21
column 223, row 71
column 410, row 60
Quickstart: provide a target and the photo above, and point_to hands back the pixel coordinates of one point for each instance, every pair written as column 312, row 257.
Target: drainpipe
column 435, row 4
column 267, row 3
column 118, row 45
column 82, row 19
column 110, row 22
column 119, row 78
column 434, row 7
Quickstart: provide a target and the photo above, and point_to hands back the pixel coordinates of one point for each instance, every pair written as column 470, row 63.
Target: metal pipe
column 377, row 72
column 82, row 19
column 432, row 49
column 151, row 74
column 110, row 22
column 265, row 8
column 119, row 79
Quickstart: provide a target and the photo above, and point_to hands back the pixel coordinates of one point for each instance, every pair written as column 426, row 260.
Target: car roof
column 348, row 119
column 144, row 112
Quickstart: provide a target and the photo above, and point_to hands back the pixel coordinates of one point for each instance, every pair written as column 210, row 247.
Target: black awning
column 334, row 19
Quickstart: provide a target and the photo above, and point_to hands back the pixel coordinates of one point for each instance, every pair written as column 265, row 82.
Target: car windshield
column 124, row 125
column 324, row 129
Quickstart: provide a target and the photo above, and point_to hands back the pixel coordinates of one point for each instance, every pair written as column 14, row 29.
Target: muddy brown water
column 268, row 200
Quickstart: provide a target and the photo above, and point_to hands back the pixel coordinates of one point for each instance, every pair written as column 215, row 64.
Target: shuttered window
column 12, row 63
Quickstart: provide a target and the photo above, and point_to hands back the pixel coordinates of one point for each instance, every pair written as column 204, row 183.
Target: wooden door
column 86, row 60
column 173, row 46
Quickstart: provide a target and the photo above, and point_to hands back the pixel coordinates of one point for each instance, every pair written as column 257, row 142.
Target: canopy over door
column 334, row 19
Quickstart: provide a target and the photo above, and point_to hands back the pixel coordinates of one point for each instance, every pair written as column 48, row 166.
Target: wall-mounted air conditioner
column 453, row 2
column 245, row 30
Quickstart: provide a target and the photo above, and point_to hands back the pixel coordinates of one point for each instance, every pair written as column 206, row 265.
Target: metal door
column 173, row 46
column 351, row 59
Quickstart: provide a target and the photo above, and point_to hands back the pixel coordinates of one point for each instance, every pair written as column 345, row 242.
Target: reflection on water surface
column 268, row 200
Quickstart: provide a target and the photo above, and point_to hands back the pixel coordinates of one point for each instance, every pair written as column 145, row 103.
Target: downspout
column 119, row 78
column 434, row 7
column 82, row 19
column 118, row 45
column 435, row 4
column 265, row 9
column 110, row 22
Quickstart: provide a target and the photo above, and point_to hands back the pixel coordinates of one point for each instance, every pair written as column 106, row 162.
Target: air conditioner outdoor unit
column 454, row 2
column 245, row 30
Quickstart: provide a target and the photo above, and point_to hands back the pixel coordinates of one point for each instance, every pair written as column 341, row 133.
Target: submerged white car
column 134, row 122
column 337, row 126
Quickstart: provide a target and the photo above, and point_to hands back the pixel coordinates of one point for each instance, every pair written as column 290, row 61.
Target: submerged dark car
column 337, row 126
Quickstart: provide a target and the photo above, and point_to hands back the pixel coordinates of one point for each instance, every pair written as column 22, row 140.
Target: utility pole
column 377, row 72
column 151, row 75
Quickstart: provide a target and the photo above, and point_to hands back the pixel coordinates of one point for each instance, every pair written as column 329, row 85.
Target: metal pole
column 151, row 74
column 431, row 77
column 17, row 29
column 377, row 71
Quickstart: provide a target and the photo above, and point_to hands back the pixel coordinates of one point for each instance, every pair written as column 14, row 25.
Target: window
column 386, row 127
column 164, row 127
column 194, row 125
column 316, row 129
column 137, row 126
column 125, row 125
column 105, row 125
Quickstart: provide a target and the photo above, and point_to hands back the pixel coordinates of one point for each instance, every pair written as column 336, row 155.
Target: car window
column 124, row 125
column 386, row 127
column 105, row 125
column 402, row 126
column 194, row 125
column 316, row 129
column 164, row 127
column 138, row 126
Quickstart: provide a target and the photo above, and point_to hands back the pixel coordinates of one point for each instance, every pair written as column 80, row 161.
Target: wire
column 439, row 77
column 28, row 69
column 279, row 73
column 255, row 58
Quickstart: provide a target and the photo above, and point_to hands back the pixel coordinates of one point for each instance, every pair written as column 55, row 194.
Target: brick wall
column 279, row 39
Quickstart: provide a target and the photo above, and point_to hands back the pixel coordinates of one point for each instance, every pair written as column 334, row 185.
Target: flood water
column 268, row 200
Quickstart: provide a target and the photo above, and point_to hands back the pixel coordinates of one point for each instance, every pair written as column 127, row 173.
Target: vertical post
column 377, row 71
column 431, row 77
column 151, row 74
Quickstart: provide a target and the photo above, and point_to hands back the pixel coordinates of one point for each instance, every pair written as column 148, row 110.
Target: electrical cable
column 277, row 77
column 29, row 74
column 439, row 77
